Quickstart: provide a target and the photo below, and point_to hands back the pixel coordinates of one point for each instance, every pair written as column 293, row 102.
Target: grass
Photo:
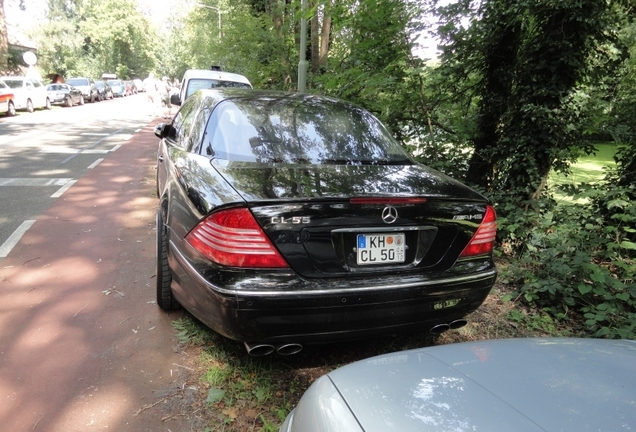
column 236, row 392
column 588, row 169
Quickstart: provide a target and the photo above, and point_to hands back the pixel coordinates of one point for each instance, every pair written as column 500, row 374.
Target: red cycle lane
column 83, row 346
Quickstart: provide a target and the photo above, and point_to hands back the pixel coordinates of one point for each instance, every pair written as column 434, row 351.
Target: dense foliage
column 91, row 37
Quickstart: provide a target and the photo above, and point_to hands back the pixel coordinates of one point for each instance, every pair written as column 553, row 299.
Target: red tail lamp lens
column 234, row 238
column 484, row 238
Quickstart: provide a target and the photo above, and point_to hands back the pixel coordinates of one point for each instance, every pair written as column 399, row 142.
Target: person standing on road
column 164, row 89
column 152, row 91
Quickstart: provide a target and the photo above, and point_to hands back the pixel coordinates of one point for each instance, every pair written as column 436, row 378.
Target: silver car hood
column 503, row 385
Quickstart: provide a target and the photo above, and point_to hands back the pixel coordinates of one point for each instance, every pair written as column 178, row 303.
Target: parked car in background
column 87, row 86
column 65, row 94
column 139, row 84
column 7, row 106
column 118, row 87
column 29, row 93
column 197, row 79
column 522, row 385
column 289, row 218
column 105, row 92
column 131, row 89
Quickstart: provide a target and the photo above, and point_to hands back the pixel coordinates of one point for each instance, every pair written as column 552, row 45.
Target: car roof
column 212, row 74
column 212, row 97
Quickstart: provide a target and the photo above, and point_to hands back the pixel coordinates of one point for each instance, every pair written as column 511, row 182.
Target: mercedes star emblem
column 389, row 214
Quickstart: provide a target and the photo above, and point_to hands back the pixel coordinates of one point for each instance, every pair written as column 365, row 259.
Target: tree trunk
column 325, row 34
column 4, row 40
column 500, row 56
column 315, row 40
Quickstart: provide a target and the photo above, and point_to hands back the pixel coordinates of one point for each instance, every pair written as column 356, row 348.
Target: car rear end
column 83, row 85
column 335, row 270
column 57, row 93
column 318, row 250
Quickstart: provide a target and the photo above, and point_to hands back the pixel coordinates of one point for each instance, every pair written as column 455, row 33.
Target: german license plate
column 380, row 248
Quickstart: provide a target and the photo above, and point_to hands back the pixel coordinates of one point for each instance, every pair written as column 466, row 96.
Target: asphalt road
column 83, row 345
column 43, row 153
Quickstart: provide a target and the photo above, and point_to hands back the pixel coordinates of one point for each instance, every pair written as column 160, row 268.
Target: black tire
column 69, row 101
column 165, row 298
column 29, row 106
column 81, row 100
column 47, row 105
column 11, row 109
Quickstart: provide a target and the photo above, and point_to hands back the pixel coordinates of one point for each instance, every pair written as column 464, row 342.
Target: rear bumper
column 256, row 309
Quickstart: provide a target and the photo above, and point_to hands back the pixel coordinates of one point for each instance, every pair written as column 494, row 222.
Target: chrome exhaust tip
column 458, row 323
column 257, row 349
column 289, row 348
column 439, row 329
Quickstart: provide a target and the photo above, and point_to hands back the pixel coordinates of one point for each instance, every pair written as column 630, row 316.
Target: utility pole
column 218, row 11
column 302, row 64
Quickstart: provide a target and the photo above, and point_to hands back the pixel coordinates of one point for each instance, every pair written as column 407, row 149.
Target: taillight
column 484, row 238
column 234, row 238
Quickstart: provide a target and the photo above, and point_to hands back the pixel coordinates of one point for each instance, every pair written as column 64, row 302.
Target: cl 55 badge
column 291, row 220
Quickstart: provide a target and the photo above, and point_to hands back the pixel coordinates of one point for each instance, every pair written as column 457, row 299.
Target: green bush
column 578, row 259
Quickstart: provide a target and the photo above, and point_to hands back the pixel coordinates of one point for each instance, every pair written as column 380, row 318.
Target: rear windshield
column 56, row 87
column 99, row 84
column 77, row 81
column 114, row 83
column 208, row 83
column 314, row 132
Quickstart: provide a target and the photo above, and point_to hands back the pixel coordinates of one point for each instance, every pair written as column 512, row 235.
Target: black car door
column 174, row 144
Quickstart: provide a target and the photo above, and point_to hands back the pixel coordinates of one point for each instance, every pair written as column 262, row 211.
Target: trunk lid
column 369, row 220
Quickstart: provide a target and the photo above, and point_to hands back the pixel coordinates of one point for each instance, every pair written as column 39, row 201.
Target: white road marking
column 15, row 238
column 94, row 164
column 41, row 181
column 115, row 148
column 63, row 189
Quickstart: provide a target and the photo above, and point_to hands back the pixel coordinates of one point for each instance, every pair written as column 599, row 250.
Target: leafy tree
column 4, row 40
column 256, row 41
column 89, row 37
column 533, row 60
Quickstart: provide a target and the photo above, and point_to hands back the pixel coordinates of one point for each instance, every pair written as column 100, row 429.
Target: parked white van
column 28, row 93
column 198, row 79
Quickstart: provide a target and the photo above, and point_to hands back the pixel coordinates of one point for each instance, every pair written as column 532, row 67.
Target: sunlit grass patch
column 588, row 169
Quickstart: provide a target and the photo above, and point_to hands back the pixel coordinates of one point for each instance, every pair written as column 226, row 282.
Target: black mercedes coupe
column 286, row 219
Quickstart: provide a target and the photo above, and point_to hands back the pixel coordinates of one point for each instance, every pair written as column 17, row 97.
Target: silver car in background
column 500, row 385
column 29, row 93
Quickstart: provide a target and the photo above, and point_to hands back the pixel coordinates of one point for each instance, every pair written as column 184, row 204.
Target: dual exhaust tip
column 441, row 328
column 257, row 349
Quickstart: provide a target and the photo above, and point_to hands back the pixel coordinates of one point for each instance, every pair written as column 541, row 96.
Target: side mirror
column 175, row 100
column 160, row 130
column 164, row 130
